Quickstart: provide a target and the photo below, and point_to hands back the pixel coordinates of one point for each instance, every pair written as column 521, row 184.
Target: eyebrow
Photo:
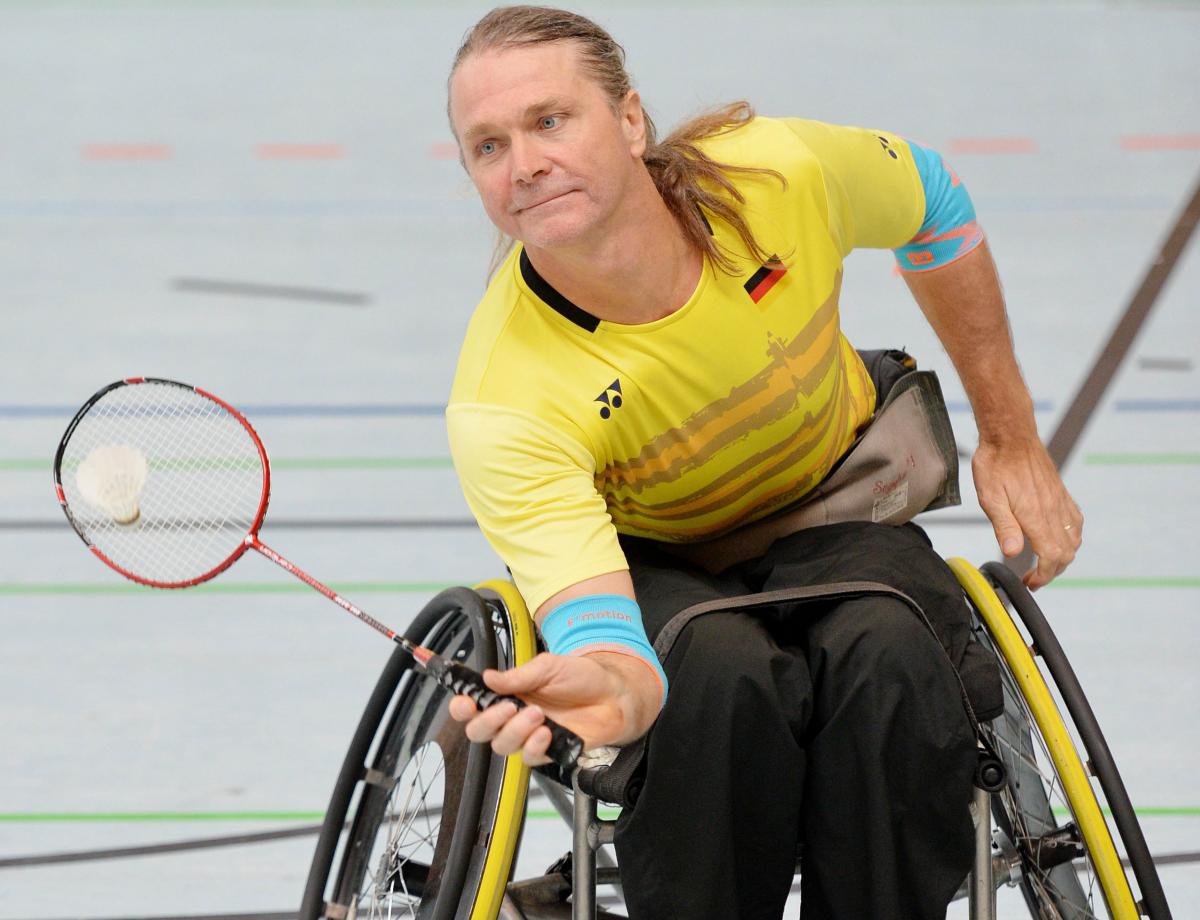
column 543, row 105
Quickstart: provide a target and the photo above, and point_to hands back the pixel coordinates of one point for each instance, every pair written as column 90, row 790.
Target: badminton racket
column 168, row 485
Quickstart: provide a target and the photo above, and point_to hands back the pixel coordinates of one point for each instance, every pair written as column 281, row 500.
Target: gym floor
column 263, row 199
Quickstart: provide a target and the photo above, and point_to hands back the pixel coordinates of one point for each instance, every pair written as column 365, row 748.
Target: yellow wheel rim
column 1076, row 786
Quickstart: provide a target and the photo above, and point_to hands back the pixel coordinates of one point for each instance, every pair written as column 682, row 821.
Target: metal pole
column 583, row 856
column 982, row 892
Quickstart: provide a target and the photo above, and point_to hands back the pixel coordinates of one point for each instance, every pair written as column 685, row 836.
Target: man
column 657, row 364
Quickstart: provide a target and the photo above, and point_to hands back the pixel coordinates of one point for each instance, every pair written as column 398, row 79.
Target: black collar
column 557, row 302
column 547, row 294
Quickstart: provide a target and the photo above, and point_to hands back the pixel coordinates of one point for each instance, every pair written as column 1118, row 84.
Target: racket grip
column 565, row 745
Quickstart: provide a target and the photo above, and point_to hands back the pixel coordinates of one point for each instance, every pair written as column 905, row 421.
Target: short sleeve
column 875, row 196
column 533, row 491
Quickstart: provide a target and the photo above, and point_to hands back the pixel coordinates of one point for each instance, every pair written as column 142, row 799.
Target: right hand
column 604, row 698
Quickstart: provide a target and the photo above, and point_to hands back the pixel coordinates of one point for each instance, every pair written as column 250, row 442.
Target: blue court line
column 961, row 405
column 1157, row 405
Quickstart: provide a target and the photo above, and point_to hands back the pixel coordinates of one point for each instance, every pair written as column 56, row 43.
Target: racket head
column 203, row 489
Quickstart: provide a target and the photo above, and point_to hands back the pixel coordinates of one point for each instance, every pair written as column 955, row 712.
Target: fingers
column 527, row 678
column 508, row 729
column 1057, row 541
column 1008, row 532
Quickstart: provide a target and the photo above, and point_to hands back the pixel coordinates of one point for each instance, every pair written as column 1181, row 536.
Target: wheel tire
column 412, row 782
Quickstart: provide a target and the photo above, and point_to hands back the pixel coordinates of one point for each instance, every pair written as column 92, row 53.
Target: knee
column 885, row 638
column 728, row 662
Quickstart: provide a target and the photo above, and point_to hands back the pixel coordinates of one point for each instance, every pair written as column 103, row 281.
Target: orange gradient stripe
column 1160, row 142
column 301, row 151
column 992, row 145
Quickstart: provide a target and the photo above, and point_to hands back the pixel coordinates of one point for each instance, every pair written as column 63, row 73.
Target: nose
column 529, row 162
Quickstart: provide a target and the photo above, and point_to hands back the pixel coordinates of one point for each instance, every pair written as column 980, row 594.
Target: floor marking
column 1165, row 364
column 272, row 524
column 284, row 292
column 98, row 589
column 1134, row 459
column 280, row 410
column 1157, row 405
column 992, row 145
column 1160, row 142
column 201, row 843
column 1081, row 408
column 37, row 464
column 1128, row 582
column 301, row 151
column 228, row 587
column 127, row 152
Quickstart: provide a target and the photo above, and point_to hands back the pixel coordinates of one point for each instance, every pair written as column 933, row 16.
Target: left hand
column 1023, row 496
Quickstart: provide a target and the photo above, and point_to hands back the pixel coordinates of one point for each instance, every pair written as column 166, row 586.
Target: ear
column 633, row 123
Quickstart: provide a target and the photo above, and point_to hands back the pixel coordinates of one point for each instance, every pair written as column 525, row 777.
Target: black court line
column 1165, row 364
column 282, row 292
column 1071, row 426
column 50, row 524
column 933, row 519
column 179, row 846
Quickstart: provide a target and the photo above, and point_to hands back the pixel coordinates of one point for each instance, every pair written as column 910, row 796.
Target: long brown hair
column 687, row 178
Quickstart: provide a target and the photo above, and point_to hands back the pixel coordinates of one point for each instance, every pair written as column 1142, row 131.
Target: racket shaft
column 565, row 745
column 313, row 583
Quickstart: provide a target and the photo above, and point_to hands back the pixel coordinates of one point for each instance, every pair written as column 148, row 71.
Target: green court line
column 231, row 587
column 123, row 817
column 1132, row 581
column 17, row 589
column 44, row 465
column 1143, row 459
column 1146, row 811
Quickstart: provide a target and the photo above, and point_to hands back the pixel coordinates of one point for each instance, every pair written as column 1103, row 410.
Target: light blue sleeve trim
column 592, row 623
column 949, row 230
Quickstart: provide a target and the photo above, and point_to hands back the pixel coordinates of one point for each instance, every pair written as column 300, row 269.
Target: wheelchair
column 424, row 824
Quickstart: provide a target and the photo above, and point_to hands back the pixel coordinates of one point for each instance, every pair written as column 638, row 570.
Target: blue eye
column 487, row 148
column 549, row 121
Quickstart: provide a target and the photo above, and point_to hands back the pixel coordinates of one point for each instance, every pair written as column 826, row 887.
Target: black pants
column 836, row 730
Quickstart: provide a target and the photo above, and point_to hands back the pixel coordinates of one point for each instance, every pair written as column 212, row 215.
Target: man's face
column 548, row 155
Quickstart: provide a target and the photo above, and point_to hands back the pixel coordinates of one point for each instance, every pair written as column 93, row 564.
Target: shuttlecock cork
column 110, row 478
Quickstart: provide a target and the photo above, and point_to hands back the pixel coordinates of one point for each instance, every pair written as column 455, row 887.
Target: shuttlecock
column 110, row 478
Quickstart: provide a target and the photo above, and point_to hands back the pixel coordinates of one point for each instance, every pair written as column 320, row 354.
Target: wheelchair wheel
column 418, row 792
column 1052, row 838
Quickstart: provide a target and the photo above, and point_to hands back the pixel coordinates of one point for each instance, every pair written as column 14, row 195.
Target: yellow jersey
column 566, row 430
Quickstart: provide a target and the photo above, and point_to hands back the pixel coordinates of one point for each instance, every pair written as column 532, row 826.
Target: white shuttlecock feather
column 110, row 478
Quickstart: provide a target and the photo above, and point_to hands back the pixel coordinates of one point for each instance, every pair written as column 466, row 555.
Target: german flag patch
column 765, row 278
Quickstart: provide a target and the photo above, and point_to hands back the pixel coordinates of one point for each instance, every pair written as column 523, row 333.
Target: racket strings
column 203, row 487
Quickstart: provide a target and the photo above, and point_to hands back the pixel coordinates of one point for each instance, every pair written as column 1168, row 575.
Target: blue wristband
column 601, row 623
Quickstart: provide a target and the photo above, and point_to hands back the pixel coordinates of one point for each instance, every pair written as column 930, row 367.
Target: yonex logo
column 610, row 397
column 887, row 147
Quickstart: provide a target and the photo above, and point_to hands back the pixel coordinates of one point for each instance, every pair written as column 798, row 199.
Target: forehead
column 497, row 86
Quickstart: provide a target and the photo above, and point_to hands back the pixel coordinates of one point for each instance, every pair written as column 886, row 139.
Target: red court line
column 301, row 151
column 127, row 152
column 1160, row 142
column 447, row 150
column 992, row 145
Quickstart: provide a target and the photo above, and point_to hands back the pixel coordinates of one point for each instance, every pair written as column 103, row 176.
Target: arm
column 605, row 697
column 1018, row 486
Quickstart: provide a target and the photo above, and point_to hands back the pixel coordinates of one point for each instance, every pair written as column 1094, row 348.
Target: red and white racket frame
column 251, row 539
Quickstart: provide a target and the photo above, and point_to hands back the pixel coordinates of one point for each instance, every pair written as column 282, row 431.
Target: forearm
column 964, row 304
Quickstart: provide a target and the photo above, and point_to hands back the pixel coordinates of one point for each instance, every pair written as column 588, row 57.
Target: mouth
column 544, row 201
